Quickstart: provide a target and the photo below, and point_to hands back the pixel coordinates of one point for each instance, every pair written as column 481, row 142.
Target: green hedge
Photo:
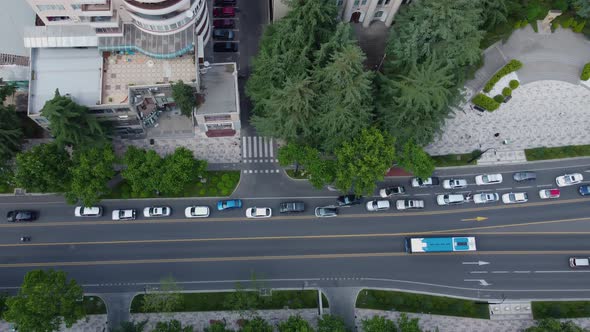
column 585, row 72
column 409, row 302
column 561, row 309
column 499, row 98
column 510, row 67
column 514, row 84
column 506, row 92
column 568, row 151
column 486, row 102
column 455, row 159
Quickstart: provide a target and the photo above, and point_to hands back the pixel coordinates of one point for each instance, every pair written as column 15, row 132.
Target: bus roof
column 442, row 244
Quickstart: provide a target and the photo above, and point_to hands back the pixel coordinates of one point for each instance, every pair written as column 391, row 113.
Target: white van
column 196, row 212
column 579, row 262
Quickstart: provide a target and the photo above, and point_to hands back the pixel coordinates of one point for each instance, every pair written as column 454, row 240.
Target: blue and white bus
column 440, row 244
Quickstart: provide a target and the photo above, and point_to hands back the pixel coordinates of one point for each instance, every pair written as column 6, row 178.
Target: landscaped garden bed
column 560, row 152
column 561, row 309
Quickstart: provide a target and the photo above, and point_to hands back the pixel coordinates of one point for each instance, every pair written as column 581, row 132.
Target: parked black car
column 223, row 34
column 349, row 200
column 21, row 215
column 290, row 207
column 224, row 23
column 524, row 176
column 225, row 47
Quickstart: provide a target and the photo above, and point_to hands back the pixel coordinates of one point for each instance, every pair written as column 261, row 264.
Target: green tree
column 449, row 28
column 241, row 300
column 414, row 106
column 5, row 91
column 378, row 324
column 172, row 326
column 582, row 8
column 295, row 324
column 554, row 325
column 71, row 124
column 179, row 170
column 167, row 299
column 413, row 158
column 44, row 301
column 44, row 168
column 10, row 131
column 364, row 161
column 132, row 326
column 184, row 97
column 140, row 170
column 331, row 323
column 256, row 324
column 91, row 172
column 217, row 326
column 405, row 324
column 292, row 153
column 493, row 12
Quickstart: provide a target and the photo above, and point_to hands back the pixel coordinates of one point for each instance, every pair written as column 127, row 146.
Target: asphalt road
column 525, row 246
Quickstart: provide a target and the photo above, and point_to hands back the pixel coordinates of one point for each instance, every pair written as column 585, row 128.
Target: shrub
column 517, row 25
column 579, row 27
column 585, row 72
column 514, row 84
column 567, row 23
column 499, row 98
column 485, row 102
column 202, row 192
column 510, row 67
column 506, row 92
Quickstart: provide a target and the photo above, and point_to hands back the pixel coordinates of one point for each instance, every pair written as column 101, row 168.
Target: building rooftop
column 13, row 19
column 60, row 36
column 125, row 69
column 74, row 71
column 219, row 86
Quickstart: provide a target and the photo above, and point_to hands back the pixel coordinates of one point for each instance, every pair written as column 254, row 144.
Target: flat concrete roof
column 219, row 85
column 14, row 16
column 76, row 71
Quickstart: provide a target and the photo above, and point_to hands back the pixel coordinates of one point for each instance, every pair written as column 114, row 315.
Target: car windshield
column 512, row 197
column 485, row 178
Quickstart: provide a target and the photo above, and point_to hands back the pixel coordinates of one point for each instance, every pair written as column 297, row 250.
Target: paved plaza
column 550, row 108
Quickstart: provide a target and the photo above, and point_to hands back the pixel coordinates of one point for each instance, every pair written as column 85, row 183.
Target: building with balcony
column 158, row 28
column 356, row 11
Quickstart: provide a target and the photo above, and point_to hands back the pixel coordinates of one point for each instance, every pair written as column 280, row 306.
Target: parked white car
column 485, row 179
column 409, row 204
column 378, row 205
column 483, row 198
column 511, row 198
column 454, row 183
column 549, row 193
column 450, row 199
column 256, row 212
column 569, row 179
column 157, row 211
column 128, row 214
column 196, row 212
column 88, row 211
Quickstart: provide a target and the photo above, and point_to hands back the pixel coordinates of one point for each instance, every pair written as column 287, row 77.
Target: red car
column 224, row 12
column 549, row 193
column 224, row 23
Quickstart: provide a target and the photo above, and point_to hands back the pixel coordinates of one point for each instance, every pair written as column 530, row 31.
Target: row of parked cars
column 224, row 13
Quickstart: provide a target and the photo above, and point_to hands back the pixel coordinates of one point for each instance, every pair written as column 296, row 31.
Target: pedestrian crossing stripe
column 255, row 147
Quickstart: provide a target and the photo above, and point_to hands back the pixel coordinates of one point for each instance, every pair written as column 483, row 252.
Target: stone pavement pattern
column 92, row 323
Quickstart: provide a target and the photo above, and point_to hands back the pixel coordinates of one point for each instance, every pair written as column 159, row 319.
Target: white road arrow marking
column 481, row 281
column 480, row 263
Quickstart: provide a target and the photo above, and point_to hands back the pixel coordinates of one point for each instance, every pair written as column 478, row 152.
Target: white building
column 357, row 11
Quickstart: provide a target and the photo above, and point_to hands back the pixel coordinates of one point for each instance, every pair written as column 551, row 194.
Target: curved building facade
column 158, row 28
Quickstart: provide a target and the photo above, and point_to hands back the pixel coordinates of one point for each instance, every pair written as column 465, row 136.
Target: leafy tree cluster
column 167, row 299
column 382, row 324
column 172, row 326
column 147, row 172
column 10, row 131
column 44, row 301
column 184, row 97
column 554, row 325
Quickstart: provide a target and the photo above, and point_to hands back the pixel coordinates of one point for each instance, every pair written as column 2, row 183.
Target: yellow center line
column 282, row 257
column 301, row 217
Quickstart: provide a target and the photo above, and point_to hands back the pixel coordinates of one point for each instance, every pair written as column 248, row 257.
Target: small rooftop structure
column 74, row 71
column 13, row 19
column 60, row 36
column 219, row 86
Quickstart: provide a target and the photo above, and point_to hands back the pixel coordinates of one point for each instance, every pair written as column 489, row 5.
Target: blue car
column 584, row 190
column 229, row 204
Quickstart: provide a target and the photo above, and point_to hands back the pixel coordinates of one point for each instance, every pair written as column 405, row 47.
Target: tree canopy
column 554, row 325
column 331, row 323
column 184, row 97
column 71, row 124
column 383, row 324
column 44, row 168
column 167, row 299
column 10, row 131
column 92, row 169
column 45, row 300
column 172, row 326
column 295, row 324
column 256, row 324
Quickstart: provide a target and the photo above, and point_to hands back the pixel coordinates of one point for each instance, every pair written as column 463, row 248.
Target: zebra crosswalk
column 257, row 149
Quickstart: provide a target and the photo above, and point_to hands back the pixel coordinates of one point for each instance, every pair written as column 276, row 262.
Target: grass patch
column 219, row 183
column 93, row 305
column 561, row 309
column 455, row 159
column 218, row 301
column 418, row 303
column 301, row 175
column 560, row 152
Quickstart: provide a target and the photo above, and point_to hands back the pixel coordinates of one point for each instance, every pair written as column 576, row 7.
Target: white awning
column 60, row 36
